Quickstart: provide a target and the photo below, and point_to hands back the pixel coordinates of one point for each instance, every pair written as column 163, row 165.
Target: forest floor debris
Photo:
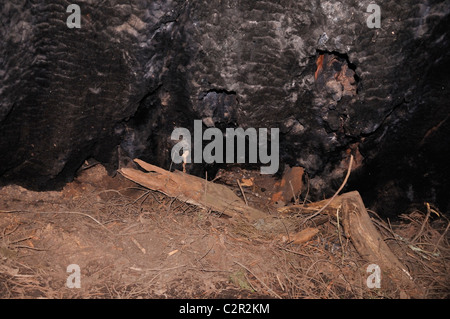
column 132, row 242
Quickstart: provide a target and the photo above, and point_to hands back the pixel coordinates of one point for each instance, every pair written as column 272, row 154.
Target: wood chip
column 290, row 185
column 173, row 252
column 305, row 235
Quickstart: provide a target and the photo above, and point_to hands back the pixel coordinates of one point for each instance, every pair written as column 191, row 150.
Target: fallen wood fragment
column 370, row 245
column 247, row 182
column 301, row 237
column 359, row 228
column 191, row 189
column 290, row 185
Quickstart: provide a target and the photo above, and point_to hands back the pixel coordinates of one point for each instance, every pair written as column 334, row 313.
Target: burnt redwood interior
column 116, row 88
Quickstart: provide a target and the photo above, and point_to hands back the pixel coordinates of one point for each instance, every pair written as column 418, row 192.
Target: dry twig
column 242, row 191
column 335, row 194
column 262, row 282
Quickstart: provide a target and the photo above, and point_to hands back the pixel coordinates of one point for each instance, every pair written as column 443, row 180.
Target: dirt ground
column 130, row 242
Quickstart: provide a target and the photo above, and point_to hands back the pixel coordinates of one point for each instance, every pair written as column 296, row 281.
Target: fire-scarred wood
column 136, row 70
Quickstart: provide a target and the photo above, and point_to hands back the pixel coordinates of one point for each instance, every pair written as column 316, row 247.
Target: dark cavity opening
column 335, row 64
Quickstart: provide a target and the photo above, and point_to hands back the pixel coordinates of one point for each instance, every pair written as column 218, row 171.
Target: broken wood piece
column 191, row 189
column 247, row 182
column 369, row 243
column 311, row 207
column 359, row 228
column 290, row 185
column 303, row 236
column 173, row 252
